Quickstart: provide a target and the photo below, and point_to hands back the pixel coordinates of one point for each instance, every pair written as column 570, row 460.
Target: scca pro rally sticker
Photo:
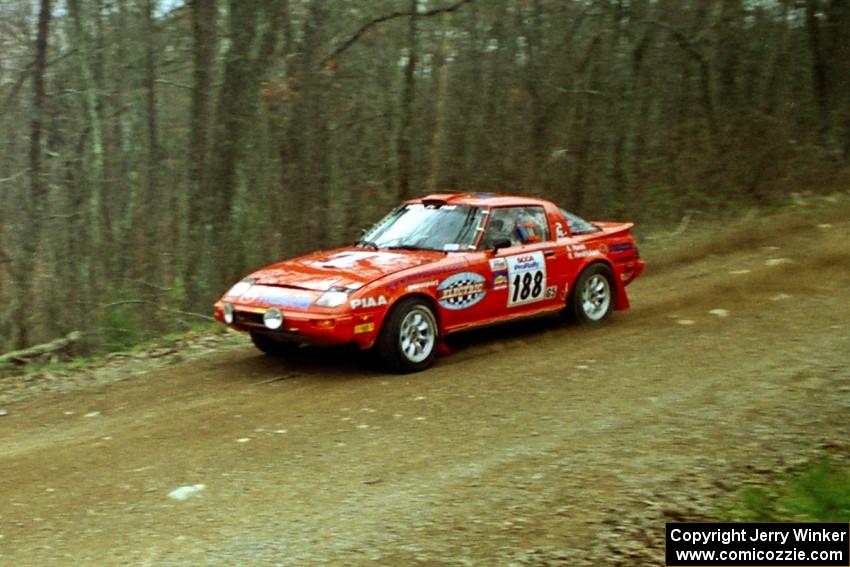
column 461, row 290
column 526, row 278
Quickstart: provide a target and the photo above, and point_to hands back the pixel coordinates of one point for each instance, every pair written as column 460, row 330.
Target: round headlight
column 228, row 313
column 273, row 318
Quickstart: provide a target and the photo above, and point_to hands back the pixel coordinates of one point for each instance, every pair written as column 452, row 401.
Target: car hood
column 344, row 268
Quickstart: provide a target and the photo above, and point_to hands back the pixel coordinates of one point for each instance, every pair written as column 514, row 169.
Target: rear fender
column 621, row 298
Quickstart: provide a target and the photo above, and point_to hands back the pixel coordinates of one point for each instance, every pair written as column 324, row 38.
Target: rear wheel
column 272, row 347
column 408, row 339
column 592, row 300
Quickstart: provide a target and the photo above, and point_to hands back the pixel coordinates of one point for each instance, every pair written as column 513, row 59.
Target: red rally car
column 435, row 266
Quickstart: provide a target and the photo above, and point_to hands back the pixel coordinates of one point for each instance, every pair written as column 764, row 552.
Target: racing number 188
column 522, row 285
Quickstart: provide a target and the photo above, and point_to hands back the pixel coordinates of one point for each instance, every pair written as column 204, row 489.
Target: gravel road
column 533, row 444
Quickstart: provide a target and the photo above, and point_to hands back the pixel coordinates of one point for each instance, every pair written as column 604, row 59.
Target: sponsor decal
column 622, row 247
column 576, row 251
column 364, row 328
column 559, row 230
column 280, row 296
column 344, row 259
column 551, row 292
column 367, row 302
column 526, row 262
column 586, row 254
column 414, row 278
column 526, row 278
column 422, row 285
column 498, row 265
column 500, row 280
column 461, row 290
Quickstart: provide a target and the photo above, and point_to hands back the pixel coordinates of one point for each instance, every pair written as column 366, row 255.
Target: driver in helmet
column 528, row 228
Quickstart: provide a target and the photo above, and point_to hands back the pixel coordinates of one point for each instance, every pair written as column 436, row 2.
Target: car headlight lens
column 273, row 318
column 332, row 299
column 239, row 288
column 228, row 313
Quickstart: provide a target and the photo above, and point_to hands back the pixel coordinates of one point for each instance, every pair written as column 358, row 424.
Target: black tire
column 272, row 347
column 592, row 298
column 413, row 317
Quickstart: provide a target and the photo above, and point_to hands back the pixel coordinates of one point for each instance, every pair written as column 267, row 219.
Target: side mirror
column 501, row 243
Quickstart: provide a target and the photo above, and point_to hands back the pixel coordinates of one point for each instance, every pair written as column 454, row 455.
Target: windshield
column 427, row 227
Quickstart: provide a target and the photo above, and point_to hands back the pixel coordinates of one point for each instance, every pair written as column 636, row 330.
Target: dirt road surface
column 533, row 444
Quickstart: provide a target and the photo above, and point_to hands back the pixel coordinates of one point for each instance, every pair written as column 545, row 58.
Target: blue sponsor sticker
column 622, row 247
column 500, row 279
column 282, row 297
column 461, row 290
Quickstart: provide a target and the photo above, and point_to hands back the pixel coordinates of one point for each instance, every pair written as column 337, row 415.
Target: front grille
column 248, row 318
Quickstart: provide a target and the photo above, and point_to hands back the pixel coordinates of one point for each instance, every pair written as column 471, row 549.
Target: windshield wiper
column 412, row 247
column 366, row 244
column 404, row 247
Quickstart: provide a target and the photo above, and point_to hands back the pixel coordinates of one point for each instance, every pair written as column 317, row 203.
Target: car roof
column 481, row 199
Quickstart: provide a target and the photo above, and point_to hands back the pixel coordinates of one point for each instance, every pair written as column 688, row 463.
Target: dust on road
column 538, row 443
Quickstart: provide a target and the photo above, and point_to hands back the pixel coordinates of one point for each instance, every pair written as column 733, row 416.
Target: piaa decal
column 367, row 302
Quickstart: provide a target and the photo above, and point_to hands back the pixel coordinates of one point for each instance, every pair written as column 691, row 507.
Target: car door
column 525, row 276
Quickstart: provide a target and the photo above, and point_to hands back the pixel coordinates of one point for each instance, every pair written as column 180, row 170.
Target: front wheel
column 408, row 339
column 592, row 300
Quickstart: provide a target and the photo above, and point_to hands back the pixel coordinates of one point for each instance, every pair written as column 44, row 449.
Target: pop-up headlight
column 334, row 297
column 240, row 288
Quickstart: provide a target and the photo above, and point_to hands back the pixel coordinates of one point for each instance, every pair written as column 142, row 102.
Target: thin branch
column 158, row 306
column 385, row 18
column 13, row 176
column 25, row 74
column 64, row 217
column 22, row 356
column 172, row 84
column 576, row 91
column 153, row 286
column 687, row 44
column 682, row 226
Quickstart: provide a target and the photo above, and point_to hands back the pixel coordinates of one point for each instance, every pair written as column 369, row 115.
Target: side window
column 520, row 225
column 578, row 225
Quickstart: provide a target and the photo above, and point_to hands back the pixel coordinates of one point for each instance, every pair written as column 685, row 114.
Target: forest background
column 152, row 152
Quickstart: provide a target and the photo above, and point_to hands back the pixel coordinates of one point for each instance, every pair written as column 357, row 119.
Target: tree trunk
column 819, row 70
column 149, row 216
column 408, row 96
column 38, row 188
column 92, row 256
column 204, row 15
column 245, row 66
column 439, row 133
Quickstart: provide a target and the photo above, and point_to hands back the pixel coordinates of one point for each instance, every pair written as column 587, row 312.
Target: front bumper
column 322, row 329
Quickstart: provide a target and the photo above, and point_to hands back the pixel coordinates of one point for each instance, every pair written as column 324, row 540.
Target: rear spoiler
column 609, row 228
